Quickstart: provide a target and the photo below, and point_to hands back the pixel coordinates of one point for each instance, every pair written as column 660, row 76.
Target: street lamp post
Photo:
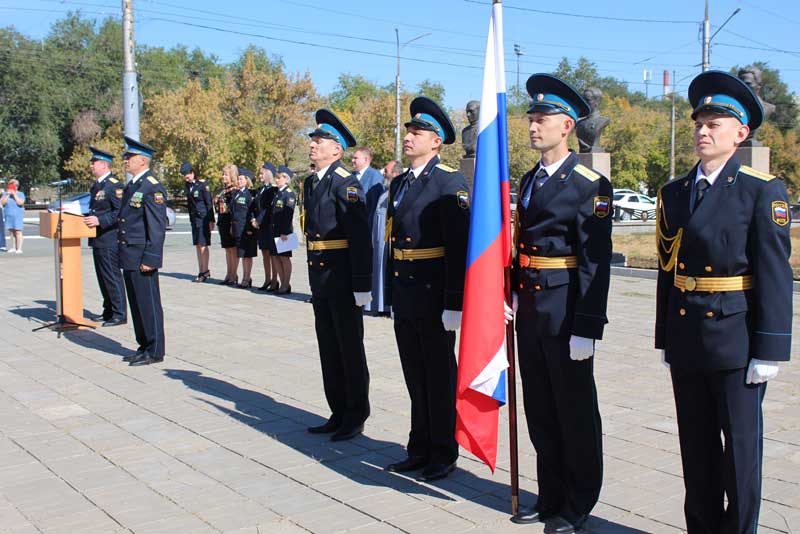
column 397, row 146
column 707, row 39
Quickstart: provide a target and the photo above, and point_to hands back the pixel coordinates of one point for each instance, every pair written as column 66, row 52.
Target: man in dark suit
column 724, row 305
column 370, row 178
column 142, row 222
column 340, row 274
column 104, row 202
column 201, row 218
column 428, row 225
column 561, row 275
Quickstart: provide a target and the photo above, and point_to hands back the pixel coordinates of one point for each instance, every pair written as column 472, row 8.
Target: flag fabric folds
column 483, row 359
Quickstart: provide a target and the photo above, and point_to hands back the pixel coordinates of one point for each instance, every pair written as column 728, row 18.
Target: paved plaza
column 213, row 439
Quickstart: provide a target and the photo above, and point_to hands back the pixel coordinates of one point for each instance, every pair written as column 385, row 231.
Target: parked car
column 625, row 192
column 80, row 204
column 630, row 206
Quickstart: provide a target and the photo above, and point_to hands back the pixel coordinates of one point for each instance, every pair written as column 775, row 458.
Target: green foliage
column 776, row 92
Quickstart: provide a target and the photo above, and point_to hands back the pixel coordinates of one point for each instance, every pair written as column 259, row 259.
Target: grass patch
column 640, row 250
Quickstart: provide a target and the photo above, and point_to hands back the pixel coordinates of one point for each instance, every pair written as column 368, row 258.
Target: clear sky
column 358, row 36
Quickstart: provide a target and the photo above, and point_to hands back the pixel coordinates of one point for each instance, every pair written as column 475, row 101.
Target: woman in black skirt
column 242, row 229
column 222, row 203
column 260, row 213
column 282, row 216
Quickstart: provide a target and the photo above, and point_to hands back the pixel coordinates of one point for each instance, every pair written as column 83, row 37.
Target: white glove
column 760, row 371
column 509, row 312
column 581, row 348
column 451, row 320
column 362, row 297
column 664, row 358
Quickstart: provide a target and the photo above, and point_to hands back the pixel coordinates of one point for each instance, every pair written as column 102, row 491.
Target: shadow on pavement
column 180, row 276
column 361, row 459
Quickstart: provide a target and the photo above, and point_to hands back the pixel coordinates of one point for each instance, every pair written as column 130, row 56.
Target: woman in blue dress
column 13, row 202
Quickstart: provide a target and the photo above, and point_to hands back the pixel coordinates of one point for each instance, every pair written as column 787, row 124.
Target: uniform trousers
column 427, row 354
column 339, row 324
column 109, row 278
column 560, row 401
column 144, row 296
column 709, row 404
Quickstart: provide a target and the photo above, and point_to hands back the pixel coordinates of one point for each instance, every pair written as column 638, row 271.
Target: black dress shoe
column 345, row 433
column 329, row 427
column 145, row 359
column 114, row 322
column 131, row 357
column 526, row 516
column 412, row 463
column 559, row 525
column 436, row 471
column 264, row 287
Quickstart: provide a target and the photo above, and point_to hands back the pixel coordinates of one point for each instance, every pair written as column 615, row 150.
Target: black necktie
column 534, row 185
column 700, row 191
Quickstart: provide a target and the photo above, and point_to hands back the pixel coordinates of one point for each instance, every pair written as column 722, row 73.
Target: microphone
column 61, row 183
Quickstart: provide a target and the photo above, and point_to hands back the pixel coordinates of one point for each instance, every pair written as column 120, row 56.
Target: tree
column 584, row 75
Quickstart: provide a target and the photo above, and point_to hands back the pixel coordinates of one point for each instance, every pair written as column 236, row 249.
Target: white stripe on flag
column 486, row 381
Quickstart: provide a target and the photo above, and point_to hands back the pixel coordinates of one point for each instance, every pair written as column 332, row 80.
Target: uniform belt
column 410, row 254
column 706, row 283
column 330, row 244
column 545, row 262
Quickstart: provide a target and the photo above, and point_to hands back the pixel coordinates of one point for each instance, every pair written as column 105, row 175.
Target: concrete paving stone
column 431, row 520
column 335, row 517
column 237, row 515
column 177, row 524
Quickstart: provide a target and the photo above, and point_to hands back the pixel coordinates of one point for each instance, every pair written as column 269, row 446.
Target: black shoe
column 559, row 525
column 265, row 287
column 284, row 291
column 145, row 359
column 224, row 282
column 412, row 463
column 345, row 433
column 273, row 287
column 526, row 516
column 114, row 322
column 329, row 427
column 131, row 357
column 202, row 277
column 245, row 284
column 436, row 471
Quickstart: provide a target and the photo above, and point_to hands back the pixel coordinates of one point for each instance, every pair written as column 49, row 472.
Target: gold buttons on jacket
column 398, row 274
column 709, row 314
column 521, row 285
column 319, row 235
column 681, row 265
column 709, row 268
column 408, row 240
column 322, row 264
column 311, row 263
column 394, row 239
column 534, row 248
column 682, row 311
column 537, row 287
column 522, row 245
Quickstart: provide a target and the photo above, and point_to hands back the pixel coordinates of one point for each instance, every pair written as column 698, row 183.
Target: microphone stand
column 61, row 323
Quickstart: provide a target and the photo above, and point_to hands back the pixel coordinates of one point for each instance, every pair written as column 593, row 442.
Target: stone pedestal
column 467, row 168
column 599, row 161
column 756, row 157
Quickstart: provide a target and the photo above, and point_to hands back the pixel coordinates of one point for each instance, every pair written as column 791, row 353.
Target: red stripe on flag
column 476, row 425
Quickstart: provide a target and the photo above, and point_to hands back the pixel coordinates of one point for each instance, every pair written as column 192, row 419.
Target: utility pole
column 706, row 41
column 519, row 52
column 130, row 84
column 672, row 130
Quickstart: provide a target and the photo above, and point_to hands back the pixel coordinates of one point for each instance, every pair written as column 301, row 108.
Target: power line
column 591, row 17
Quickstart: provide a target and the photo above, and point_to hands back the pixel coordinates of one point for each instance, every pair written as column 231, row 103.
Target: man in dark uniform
column 104, row 201
column 428, row 225
column 201, row 217
column 340, row 273
column 561, row 276
column 724, row 305
column 260, row 211
column 142, row 224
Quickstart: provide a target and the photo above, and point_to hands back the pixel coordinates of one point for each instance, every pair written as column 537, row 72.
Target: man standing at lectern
column 142, row 224
column 105, row 199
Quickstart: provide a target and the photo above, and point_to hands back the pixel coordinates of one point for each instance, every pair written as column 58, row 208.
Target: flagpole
column 511, row 396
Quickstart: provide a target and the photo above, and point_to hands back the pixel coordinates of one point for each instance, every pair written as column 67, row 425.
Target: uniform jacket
column 104, row 202
column 142, row 223
column 568, row 216
column 283, row 204
column 334, row 210
column 261, row 207
column 741, row 227
column 240, row 209
column 433, row 212
column 222, row 201
column 198, row 200
column 372, row 184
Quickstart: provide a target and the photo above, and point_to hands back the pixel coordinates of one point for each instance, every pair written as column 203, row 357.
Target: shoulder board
column 289, row 190
column 202, row 180
column 152, row 180
column 341, row 171
column 445, row 168
column 757, row 174
column 586, row 172
column 113, row 180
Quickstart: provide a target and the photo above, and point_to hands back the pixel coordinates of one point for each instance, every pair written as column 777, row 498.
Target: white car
column 632, row 206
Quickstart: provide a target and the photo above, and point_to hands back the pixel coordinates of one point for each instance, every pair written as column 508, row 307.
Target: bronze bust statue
column 590, row 128
column 469, row 135
column 751, row 76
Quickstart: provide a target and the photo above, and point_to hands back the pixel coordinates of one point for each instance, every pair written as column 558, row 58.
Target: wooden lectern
column 69, row 281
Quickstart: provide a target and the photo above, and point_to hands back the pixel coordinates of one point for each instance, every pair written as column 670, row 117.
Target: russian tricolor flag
column 483, row 359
